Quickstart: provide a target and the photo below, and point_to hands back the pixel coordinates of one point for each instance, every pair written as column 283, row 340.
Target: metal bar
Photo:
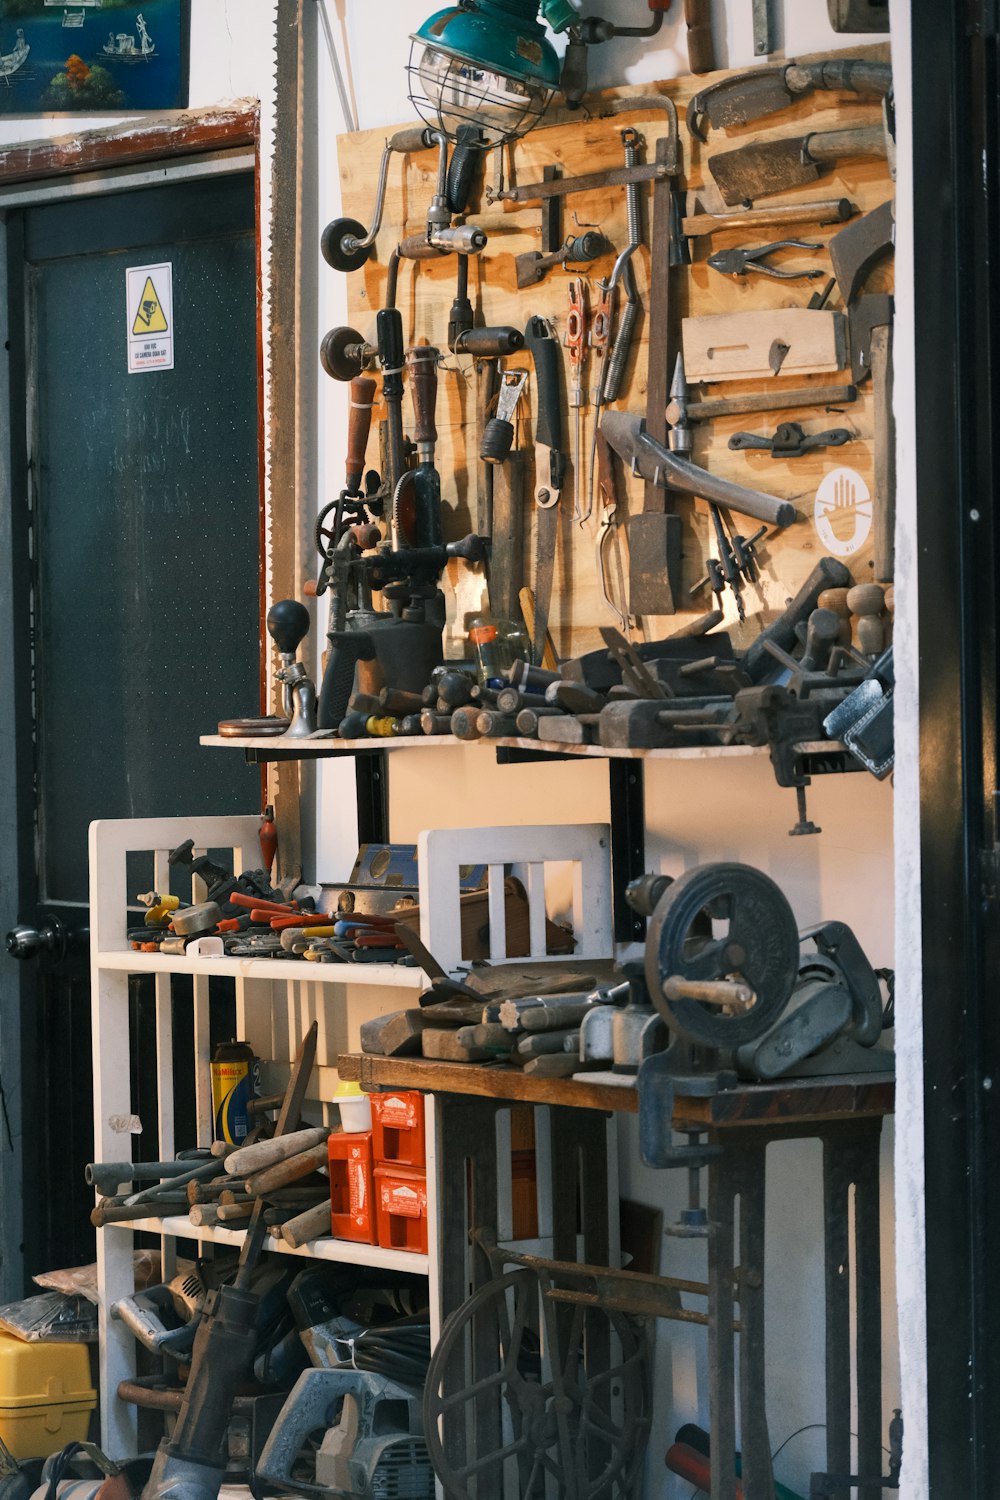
column 957, row 352
column 721, row 1352
column 749, row 1157
column 593, row 181
column 372, row 774
column 626, row 780
column 836, row 1269
column 868, row 1304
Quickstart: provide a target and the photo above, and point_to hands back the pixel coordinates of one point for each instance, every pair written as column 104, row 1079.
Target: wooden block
column 565, row 729
column 446, row 1046
column 729, row 346
column 559, row 1065
column 397, row 1035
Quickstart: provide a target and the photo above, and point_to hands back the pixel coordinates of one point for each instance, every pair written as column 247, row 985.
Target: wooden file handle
column 701, row 53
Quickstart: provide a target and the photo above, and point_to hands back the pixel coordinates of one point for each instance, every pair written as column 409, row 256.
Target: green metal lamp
column 487, row 63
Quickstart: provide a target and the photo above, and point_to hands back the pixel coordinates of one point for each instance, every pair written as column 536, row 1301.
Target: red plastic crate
column 401, row 1209
column 352, row 1187
column 398, row 1129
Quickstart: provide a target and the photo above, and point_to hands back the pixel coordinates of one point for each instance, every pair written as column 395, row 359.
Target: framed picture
column 65, row 56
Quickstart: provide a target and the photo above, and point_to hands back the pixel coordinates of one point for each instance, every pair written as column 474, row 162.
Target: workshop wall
column 697, row 811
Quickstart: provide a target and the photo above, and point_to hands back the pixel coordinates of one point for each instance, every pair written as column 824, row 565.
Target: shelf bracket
column 626, row 780
column 372, row 773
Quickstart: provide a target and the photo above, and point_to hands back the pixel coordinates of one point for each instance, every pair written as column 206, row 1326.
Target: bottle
column 234, row 1080
column 497, row 644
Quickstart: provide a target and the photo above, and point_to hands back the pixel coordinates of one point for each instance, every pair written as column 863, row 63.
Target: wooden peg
column 866, row 601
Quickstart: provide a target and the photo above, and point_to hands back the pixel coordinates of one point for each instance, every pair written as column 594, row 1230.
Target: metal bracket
column 626, row 780
column 372, row 773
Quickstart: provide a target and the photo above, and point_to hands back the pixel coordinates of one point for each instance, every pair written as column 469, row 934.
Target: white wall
column 696, row 812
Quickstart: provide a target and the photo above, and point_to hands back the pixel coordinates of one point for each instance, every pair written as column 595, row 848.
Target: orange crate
column 401, row 1209
column 352, row 1187
column 398, row 1129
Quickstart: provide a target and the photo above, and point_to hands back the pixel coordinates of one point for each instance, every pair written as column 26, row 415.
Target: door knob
column 50, row 937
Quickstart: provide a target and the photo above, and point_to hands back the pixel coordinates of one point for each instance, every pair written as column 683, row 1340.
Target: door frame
column 119, row 158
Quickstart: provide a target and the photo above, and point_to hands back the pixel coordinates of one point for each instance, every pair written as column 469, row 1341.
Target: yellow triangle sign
column 149, row 316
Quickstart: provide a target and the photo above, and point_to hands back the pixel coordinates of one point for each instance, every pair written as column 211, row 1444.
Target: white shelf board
column 350, row 1252
column 449, row 742
column 380, row 976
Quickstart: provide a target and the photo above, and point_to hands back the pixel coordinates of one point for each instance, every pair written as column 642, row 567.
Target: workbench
column 843, row 1112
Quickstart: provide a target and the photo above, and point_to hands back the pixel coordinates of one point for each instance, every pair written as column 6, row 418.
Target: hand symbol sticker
column 843, row 512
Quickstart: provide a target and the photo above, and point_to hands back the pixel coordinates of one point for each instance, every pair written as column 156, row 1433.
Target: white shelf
column 347, row 1251
column 380, row 976
column 449, row 742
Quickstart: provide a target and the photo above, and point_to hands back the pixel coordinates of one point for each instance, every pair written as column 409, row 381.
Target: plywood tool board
column 581, row 142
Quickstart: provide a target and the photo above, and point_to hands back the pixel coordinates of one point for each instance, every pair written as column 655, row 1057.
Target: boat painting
column 128, row 48
column 11, row 61
column 92, row 56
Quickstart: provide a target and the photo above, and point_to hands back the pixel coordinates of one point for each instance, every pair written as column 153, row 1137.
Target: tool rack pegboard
column 578, row 142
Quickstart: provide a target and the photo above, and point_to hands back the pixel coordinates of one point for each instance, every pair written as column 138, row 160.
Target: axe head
column 856, row 249
column 863, row 317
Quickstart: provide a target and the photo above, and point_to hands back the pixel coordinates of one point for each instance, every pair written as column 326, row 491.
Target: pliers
column 739, row 262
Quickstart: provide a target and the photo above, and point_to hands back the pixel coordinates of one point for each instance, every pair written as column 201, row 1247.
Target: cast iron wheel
column 334, row 356
column 760, row 946
column 494, row 1410
column 338, row 251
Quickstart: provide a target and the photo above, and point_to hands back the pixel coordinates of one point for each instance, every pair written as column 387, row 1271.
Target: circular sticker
column 843, row 512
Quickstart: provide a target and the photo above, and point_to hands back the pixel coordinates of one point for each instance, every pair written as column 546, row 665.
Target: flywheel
column 725, row 931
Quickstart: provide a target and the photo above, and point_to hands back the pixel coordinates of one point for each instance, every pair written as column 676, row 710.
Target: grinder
column 745, row 994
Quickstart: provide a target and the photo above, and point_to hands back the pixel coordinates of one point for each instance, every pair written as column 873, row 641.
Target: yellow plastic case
column 46, row 1396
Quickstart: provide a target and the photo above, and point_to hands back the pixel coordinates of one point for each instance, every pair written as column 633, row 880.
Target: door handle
column 50, row 937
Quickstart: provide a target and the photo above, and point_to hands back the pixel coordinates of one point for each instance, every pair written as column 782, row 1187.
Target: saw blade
column 546, row 536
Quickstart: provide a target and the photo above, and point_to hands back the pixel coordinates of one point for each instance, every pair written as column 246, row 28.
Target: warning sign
column 149, row 297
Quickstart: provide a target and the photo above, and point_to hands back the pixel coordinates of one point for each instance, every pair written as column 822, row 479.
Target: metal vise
column 623, row 1028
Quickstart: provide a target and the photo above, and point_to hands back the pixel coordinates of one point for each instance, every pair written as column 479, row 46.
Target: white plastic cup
column 355, row 1110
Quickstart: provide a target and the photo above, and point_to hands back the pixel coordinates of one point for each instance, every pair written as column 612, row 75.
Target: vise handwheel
column 722, row 922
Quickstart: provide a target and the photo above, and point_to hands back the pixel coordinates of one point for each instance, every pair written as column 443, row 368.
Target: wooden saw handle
column 836, row 145
column 422, row 363
column 359, row 422
column 701, row 52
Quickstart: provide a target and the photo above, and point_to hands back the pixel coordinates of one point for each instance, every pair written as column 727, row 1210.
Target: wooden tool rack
column 844, row 1113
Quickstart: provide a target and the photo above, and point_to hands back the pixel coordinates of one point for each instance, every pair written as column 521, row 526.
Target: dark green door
column 134, row 591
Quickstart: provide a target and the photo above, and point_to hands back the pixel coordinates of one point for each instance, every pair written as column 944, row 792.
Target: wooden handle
column 884, row 521
column 701, row 52
column 834, row 145
column 263, row 1154
column 423, row 389
column 359, row 423
column 819, row 211
column 288, row 1171
column 312, row 1224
